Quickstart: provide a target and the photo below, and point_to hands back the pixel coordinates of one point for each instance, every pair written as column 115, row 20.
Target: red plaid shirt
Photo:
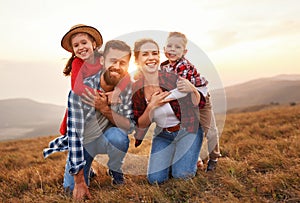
column 185, row 69
column 183, row 108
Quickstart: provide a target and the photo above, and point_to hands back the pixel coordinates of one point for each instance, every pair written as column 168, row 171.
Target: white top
column 164, row 116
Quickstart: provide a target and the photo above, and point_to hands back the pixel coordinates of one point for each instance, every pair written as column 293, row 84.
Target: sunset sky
column 243, row 40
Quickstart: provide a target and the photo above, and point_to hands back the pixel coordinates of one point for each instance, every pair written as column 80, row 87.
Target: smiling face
column 148, row 58
column 116, row 63
column 83, row 46
column 175, row 48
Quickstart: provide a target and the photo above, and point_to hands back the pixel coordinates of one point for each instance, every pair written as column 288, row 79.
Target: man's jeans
column 175, row 154
column 114, row 142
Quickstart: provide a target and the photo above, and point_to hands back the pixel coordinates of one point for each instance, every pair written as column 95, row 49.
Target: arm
column 157, row 99
column 77, row 78
column 185, row 85
column 80, row 188
column 100, row 102
column 76, row 152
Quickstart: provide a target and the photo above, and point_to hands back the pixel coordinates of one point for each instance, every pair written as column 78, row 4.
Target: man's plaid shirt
column 78, row 114
column 183, row 108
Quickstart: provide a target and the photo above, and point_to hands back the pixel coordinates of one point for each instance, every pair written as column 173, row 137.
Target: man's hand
column 97, row 100
column 80, row 189
column 113, row 96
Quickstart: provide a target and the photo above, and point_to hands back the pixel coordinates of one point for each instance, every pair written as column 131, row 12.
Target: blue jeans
column 174, row 154
column 114, row 142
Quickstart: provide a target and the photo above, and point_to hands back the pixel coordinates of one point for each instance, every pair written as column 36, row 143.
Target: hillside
column 27, row 118
column 281, row 89
column 260, row 163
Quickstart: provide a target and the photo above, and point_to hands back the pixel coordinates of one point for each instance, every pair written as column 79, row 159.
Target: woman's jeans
column 114, row 142
column 174, row 153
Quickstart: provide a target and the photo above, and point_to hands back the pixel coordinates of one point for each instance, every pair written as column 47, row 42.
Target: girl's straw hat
column 66, row 40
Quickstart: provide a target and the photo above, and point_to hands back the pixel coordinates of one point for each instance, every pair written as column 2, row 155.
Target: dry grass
column 260, row 163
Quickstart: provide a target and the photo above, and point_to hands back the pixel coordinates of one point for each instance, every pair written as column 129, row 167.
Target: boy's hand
column 184, row 85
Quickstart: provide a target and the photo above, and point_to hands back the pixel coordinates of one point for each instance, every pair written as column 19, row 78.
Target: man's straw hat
column 66, row 40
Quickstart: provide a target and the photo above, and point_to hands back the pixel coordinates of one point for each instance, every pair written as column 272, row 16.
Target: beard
column 113, row 80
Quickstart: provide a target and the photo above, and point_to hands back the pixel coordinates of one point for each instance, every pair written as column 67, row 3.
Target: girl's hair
column 178, row 34
column 68, row 68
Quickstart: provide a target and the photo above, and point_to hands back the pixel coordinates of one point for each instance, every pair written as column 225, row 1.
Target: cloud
column 252, row 31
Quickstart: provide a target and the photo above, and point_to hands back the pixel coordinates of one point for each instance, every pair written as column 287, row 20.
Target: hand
column 96, row 100
column 184, row 85
column 158, row 99
column 113, row 96
column 80, row 189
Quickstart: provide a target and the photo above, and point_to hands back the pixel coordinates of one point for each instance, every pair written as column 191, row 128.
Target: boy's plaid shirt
column 78, row 114
column 185, row 69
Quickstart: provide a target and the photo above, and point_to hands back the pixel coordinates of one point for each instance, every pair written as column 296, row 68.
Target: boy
column 175, row 50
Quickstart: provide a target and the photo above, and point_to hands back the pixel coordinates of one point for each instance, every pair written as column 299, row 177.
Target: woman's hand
column 158, row 99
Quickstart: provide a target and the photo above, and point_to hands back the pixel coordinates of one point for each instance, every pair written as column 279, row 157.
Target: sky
column 230, row 41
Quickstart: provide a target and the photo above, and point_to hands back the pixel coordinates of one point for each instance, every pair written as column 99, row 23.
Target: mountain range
column 21, row 118
column 281, row 89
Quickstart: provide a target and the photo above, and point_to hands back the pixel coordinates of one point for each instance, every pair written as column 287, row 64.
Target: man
column 93, row 132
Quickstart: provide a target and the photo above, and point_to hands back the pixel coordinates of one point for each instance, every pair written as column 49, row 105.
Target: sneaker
column 211, row 165
column 116, row 177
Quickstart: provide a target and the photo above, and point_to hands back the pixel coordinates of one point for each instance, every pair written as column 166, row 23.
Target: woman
column 176, row 143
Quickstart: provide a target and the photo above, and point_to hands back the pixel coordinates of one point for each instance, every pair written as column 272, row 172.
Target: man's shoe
column 92, row 173
column 116, row 177
column 211, row 165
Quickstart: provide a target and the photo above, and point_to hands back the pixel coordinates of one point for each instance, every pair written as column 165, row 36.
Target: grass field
column 260, row 163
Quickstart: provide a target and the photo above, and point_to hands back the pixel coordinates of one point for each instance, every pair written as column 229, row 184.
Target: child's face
column 175, row 48
column 83, row 46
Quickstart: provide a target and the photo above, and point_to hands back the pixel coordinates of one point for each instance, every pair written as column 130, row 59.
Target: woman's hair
column 68, row 68
column 137, row 48
column 139, row 43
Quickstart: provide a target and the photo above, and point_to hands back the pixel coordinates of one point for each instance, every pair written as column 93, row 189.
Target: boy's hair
column 178, row 34
column 116, row 44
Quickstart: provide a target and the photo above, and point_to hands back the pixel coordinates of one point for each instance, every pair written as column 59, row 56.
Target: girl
column 82, row 41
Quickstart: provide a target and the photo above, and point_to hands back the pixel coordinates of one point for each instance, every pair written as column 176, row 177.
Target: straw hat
column 65, row 42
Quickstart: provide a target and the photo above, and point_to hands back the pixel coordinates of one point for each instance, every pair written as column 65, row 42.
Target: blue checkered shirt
column 78, row 114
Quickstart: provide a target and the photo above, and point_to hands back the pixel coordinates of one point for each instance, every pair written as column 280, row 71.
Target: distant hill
column 27, row 118
column 281, row 89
